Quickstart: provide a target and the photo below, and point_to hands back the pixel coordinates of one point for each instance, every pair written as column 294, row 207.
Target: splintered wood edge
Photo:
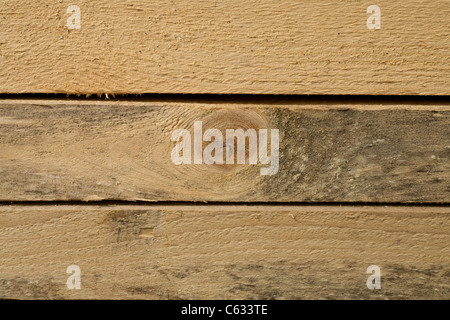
column 328, row 103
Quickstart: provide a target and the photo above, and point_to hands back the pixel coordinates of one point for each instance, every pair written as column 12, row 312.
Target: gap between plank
column 217, row 203
column 240, row 98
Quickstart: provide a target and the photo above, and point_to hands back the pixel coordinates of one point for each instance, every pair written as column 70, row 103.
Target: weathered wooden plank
column 224, row 252
column 232, row 46
column 94, row 150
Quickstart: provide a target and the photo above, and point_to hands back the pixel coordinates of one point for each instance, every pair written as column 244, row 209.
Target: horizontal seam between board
column 219, row 203
column 242, row 98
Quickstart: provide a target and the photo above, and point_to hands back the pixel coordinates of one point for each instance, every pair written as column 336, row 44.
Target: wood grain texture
column 224, row 252
column 94, row 150
column 232, row 46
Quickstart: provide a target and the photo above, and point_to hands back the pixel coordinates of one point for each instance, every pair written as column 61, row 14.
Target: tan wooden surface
column 224, row 252
column 81, row 150
column 231, row 46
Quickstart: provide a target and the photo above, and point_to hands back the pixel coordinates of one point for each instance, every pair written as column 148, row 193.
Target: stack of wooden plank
column 108, row 165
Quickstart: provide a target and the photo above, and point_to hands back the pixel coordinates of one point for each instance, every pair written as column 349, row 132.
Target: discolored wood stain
column 224, row 252
column 75, row 150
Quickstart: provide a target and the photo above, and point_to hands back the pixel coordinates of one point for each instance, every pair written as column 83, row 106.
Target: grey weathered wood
column 93, row 150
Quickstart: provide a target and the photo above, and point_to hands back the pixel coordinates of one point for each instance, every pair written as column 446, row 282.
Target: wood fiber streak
column 231, row 46
column 224, row 252
column 69, row 150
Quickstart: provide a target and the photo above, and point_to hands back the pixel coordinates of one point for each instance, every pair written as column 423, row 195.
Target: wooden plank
column 232, row 46
column 94, row 150
column 224, row 252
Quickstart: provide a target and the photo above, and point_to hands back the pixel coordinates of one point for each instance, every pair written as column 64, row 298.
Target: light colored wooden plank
column 232, row 46
column 224, row 252
column 94, row 150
